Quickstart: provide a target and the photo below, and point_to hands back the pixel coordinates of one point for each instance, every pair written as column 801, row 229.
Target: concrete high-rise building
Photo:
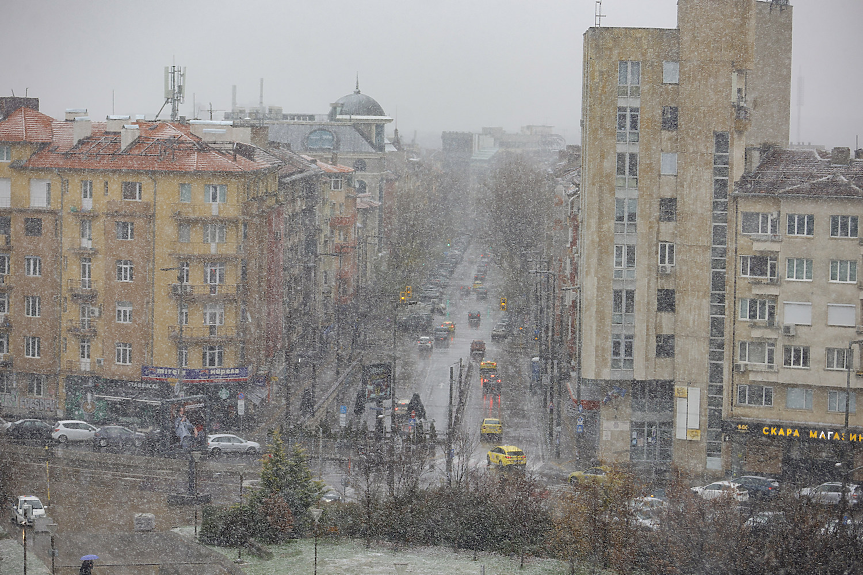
column 667, row 115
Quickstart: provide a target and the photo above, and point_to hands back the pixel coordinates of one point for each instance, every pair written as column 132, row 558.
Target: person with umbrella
column 87, row 564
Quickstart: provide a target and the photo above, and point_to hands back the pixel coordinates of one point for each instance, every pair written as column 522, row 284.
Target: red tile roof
column 803, row 173
column 26, row 125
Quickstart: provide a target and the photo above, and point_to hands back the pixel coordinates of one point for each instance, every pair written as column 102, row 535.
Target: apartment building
column 795, row 305
column 667, row 115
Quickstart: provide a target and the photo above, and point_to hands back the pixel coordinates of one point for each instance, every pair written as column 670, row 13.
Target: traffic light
column 408, row 291
column 503, row 303
column 402, row 297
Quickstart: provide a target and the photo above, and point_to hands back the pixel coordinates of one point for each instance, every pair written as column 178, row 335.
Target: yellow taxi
column 491, row 428
column 477, row 284
column 449, row 325
column 598, row 474
column 504, row 455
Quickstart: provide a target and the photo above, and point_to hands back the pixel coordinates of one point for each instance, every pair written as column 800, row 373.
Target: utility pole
column 449, row 432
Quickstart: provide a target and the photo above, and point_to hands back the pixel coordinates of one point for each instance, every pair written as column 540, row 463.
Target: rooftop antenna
column 357, row 91
column 597, row 14
column 175, row 90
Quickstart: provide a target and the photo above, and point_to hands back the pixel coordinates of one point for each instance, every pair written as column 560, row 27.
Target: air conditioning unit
column 100, row 361
column 740, row 367
column 789, row 329
column 665, row 269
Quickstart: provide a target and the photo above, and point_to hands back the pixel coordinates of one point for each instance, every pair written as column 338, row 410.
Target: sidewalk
column 12, row 554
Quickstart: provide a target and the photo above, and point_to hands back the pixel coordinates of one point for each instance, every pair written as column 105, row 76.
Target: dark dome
column 358, row 104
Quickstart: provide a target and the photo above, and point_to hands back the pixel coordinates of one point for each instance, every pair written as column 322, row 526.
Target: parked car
column 505, row 455
column 829, row 493
column 648, row 511
column 491, row 428
column 30, row 430
column 117, row 437
column 767, row 522
column 20, row 514
column 229, row 443
column 598, row 474
column 758, row 487
column 720, row 489
column 73, row 430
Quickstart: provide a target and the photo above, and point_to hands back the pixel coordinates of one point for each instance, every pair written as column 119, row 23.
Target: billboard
column 377, row 380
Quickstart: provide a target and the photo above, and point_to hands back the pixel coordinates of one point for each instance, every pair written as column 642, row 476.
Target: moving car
column 481, row 292
column 598, row 474
column 117, row 437
column 20, row 514
column 477, row 350
column 759, row 487
column 441, row 336
column 505, row 455
column 229, row 443
column 449, row 325
column 73, row 430
column 30, row 429
column 500, row 331
column 425, row 344
column 720, row 489
column 829, row 493
column 473, row 318
column 491, row 428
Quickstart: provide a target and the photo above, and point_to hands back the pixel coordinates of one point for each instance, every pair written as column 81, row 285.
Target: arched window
column 320, row 139
column 361, row 187
column 360, row 165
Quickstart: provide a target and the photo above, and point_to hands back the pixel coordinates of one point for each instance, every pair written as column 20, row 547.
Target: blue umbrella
column 89, row 557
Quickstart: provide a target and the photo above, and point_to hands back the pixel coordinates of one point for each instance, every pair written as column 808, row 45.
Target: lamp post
column 316, row 514
column 843, row 503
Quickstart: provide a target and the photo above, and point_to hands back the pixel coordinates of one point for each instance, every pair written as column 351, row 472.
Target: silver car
column 73, row 430
column 223, row 443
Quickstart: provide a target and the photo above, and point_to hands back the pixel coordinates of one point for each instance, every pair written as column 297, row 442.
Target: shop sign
column 31, row 404
column 205, row 375
column 801, row 433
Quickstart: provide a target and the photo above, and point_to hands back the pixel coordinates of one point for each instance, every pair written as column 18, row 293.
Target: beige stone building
column 667, row 115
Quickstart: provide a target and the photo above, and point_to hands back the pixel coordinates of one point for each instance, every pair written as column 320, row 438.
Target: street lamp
column 843, row 504
column 316, row 514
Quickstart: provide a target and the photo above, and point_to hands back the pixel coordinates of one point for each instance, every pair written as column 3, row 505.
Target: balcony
column 764, row 285
column 207, row 211
column 344, row 247
column 84, row 367
column 201, row 250
column 82, row 290
column 129, row 208
column 192, row 292
column 90, row 213
column 81, row 327
column 766, row 242
column 342, row 221
column 205, row 334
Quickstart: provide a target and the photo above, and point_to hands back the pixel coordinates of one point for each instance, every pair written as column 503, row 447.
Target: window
column 32, row 226
column 32, row 346
column 844, row 271
column 36, row 385
column 216, row 193
column 125, row 271
column 124, row 312
column 183, row 314
column 183, row 356
column 86, row 273
column 185, row 193
column 624, row 261
column 628, row 79
column 32, row 306
column 84, row 349
column 622, row 351
column 214, row 273
column 4, row 303
column 5, row 193
column 627, row 124
column 842, row 315
column 4, row 264
column 795, row 356
column 797, row 312
column 132, row 191
column 669, row 118
column 5, row 153
column 798, row 398
column 667, row 209
column 4, row 349
column 361, row 187
column 86, row 195
column 32, row 266
column 664, row 345
column 665, row 300
column 670, row 72
column 184, row 233
column 801, row 224
column 836, row 358
column 123, row 354
column 625, row 215
column 214, row 314
column 668, row 165
column 759, row 395
column 212, row 356
column 336, row 183
column 215, row 233
column 843, row 226
column 183, row 272
column 762, row 352
column 360, row 165
column 666, row 254
column 758, row 266
column 836, row 402
column 86, row 230
column 627, row 170
column 798, row 269
column 759, row 223
column 758, row 310
column 320, row 139
column 623, row 307
column 125, row 230
column 40, row 193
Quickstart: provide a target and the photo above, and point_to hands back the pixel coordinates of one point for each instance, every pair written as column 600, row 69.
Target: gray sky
column 434, row 66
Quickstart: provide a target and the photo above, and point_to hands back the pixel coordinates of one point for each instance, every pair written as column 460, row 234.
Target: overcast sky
column 433, row 66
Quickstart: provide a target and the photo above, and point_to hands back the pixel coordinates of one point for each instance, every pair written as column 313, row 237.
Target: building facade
column 667, row 115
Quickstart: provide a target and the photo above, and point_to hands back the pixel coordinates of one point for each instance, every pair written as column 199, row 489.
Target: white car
column 223, row 443
column 73, row 430
column 20, row 512
column 722, row 489
column 830, row 493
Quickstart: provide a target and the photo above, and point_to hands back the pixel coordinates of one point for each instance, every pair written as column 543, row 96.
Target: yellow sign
column 681, row 391
column 693, row 434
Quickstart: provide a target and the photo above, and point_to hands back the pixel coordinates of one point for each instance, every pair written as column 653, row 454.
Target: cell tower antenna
column 597, row 14
column 799, row 100
column 175, row 90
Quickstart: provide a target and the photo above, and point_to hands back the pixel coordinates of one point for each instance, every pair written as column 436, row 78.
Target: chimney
column 858, row 154
column 128, row 135
column 73, row 113
column 82, row 128
column 115, row 123
column 752, row 159
column 840, row 156
column 334, row 159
